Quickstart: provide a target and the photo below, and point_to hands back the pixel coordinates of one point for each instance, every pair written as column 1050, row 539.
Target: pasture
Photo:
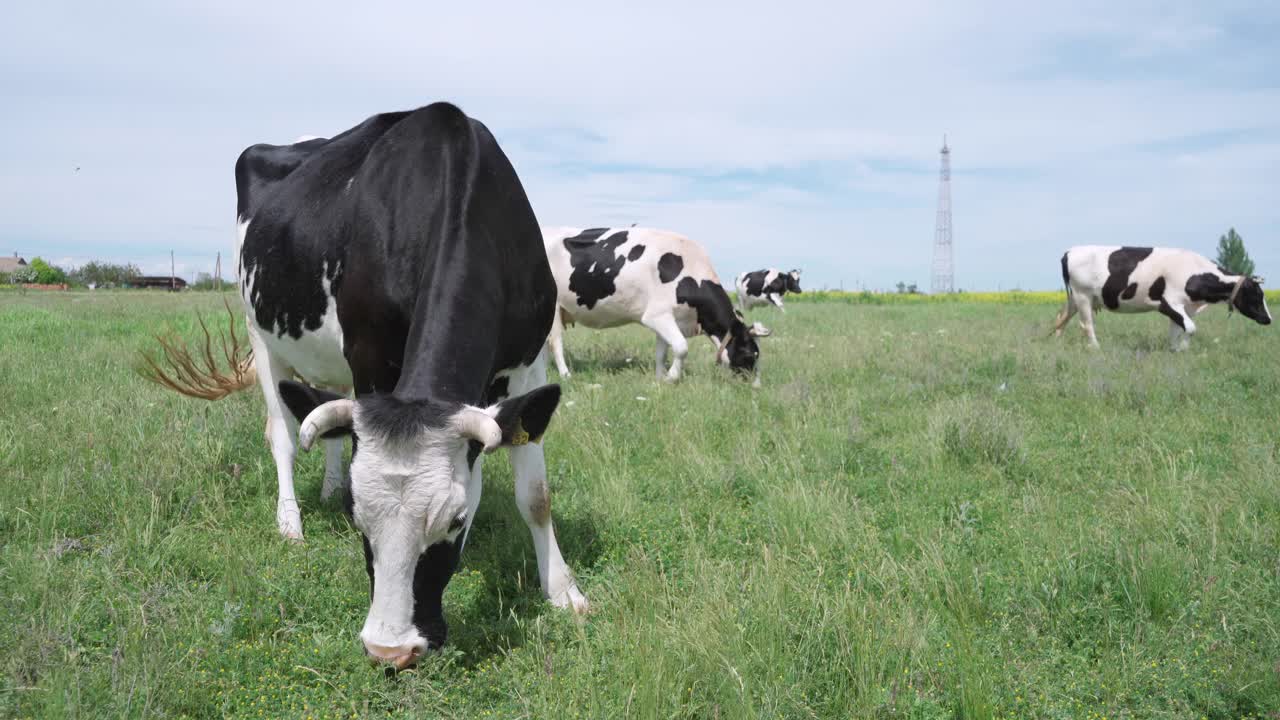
column 929, row 510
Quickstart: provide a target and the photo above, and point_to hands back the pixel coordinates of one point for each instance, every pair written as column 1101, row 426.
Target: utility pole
column 173, row 280
column 217, row 273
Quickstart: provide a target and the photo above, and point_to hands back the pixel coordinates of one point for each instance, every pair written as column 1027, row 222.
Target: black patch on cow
column 430, row 577
column 595, row 264
column 1129, row 292
column 791, row 283
column 716, row 317
column 1156, row 292
column 670, row 265
column 1250, row 300
column 755, row 282
column 498, row 390
column 1120, row 265
column 636, row 252
column 302, row 399
column 368, row 562
column 397, row 420
column 1207, row 287
column 1167, row 310
column 530, row 412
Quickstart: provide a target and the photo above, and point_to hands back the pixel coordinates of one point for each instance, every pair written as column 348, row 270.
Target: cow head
column 1249, row 299
column 739, row 350
column 411, row 492
column 792, row 280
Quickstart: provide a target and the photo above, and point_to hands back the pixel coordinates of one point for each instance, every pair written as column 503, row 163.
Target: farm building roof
column 9, row 264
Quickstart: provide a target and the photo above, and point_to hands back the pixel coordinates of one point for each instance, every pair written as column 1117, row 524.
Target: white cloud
column 738, row 124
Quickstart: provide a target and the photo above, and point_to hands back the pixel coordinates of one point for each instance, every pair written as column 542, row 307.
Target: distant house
column 9, row 264
column 158, row 281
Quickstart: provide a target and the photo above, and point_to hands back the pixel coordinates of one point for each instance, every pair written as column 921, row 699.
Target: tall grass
column 930, row 510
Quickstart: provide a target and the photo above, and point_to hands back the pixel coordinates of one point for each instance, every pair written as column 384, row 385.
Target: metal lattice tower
column 944, row 280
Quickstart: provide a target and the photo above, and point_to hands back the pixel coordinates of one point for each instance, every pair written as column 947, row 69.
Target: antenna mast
column 943, row 261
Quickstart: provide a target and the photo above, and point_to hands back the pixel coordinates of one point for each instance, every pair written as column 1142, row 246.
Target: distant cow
column 608, row 277
column 402, row 258
column 762, row 287
column 1176, row 283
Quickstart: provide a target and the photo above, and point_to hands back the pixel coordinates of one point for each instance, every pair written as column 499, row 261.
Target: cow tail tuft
column 200, row 374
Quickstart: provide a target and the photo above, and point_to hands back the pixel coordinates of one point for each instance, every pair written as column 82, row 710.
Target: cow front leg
column 776, row 299
column 282, row 432
column 533, row 498
column 1181, row 326
column 667, row 330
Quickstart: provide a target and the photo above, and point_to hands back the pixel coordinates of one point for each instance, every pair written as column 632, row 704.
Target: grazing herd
column 401, row 259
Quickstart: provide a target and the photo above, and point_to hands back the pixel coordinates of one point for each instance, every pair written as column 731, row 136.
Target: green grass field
column 928, row 511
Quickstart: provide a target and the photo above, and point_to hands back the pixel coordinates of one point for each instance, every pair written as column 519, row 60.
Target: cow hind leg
column 282, row 433
column 555, row 340
column 667, row 330
column 533, row 499
column 334, row 477
column 1064, row 316
column 1084, row 307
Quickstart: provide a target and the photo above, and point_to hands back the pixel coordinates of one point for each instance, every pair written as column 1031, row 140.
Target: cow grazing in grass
column 608, row 277
column 1176, row 283
column 764, row 287
column 402, row 258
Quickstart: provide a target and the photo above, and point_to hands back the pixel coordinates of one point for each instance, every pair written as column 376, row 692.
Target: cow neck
column 451, row 344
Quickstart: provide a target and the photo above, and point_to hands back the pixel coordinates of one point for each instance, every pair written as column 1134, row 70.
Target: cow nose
column 400, row 657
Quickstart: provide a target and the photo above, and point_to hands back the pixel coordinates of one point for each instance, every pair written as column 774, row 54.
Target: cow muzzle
column 400, row 657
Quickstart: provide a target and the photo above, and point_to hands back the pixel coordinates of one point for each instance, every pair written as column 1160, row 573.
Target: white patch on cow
column 405, row 496
column 317, row 354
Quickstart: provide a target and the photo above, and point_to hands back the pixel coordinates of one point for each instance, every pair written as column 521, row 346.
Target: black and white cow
column 402, row 258
column 608, row 277
column 763, row 287
column 1176, row 283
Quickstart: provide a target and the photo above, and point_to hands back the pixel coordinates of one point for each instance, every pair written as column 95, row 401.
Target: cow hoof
column 289, row 520
column 572, row 599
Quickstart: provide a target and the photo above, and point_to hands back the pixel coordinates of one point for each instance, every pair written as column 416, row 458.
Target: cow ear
column 759, row 330
column 303, row 399
column 524, row 419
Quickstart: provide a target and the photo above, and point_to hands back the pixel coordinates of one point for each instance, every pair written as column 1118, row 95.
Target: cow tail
column 202, row 373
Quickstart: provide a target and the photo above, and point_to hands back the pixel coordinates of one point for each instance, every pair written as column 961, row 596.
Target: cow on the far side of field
column 1176, row 283
column 762, row 287
column 606, row 277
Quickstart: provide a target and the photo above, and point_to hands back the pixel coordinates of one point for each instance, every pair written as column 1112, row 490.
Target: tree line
column 1232, row 257
column 95, row 274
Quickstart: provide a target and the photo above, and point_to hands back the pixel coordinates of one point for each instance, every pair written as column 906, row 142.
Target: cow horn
column 476, row 424
column 330, row 415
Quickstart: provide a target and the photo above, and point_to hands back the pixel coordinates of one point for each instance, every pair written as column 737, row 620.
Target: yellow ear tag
column 519, row 436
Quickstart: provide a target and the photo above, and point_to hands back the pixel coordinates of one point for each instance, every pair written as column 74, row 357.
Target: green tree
column 47, row 274
column 1232, row 256
column 105, row 275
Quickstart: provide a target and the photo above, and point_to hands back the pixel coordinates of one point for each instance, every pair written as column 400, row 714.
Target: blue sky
column 797, row 134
